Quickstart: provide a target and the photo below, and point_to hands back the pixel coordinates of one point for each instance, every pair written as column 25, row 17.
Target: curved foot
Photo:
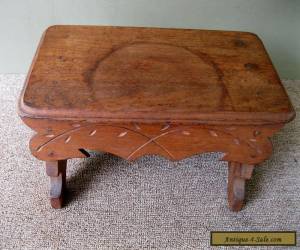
column 57, row 172
column 56, row 202
column 237, row 176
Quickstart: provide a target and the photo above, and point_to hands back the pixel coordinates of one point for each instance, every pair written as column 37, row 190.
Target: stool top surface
column 153, row 75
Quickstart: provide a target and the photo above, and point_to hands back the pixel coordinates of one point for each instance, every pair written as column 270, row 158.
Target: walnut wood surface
column 121, row 73
column 58, row 140
column 56, row 170
column 138, row 91
column 237, row 175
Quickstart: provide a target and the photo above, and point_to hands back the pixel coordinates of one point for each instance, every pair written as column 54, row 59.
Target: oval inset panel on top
column 146, row 77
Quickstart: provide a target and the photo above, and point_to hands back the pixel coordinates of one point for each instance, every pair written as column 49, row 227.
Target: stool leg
column 237, row 175
column 57, row 172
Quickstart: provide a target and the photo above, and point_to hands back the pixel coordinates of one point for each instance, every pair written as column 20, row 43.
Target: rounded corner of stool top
column 291, row 115
column 24, row 109
column 251, row 34
column 54, row 27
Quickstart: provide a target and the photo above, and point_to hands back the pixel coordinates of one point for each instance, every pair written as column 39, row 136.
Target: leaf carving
column 241, row 144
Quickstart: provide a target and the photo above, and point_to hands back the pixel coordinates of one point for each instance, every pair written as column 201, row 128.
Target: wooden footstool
column 137, row 91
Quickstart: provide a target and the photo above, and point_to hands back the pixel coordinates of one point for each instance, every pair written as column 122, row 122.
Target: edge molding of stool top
column 127, row 74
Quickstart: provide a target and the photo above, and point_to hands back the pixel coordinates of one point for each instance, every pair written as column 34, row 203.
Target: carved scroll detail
column 56, row 170
column 244, row 144
column 237, row 176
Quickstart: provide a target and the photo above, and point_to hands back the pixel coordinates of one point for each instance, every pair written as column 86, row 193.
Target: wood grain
column 58, row 140
column 138, row 91
column 110, row 73
column 56, row 170
column 237, row 175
